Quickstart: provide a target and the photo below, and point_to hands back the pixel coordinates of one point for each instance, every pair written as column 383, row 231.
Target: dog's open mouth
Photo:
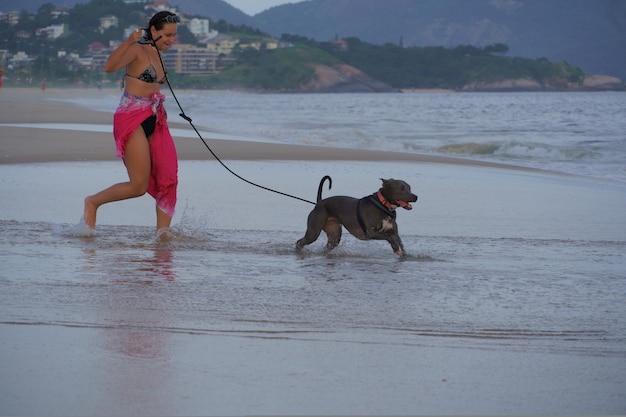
column 404, row 205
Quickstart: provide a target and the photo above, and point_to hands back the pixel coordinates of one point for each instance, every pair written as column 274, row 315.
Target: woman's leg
column 163, row 219
column 137, row 161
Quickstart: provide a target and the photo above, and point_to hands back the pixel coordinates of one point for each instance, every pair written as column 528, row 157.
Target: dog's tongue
column 404, row 205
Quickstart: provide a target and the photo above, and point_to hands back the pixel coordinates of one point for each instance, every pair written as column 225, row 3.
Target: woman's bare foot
column 90, row 213
column 164, row 234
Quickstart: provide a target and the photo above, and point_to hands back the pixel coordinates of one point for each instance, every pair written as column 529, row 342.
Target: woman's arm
column 124, row 54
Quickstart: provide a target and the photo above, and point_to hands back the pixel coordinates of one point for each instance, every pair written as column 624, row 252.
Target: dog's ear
column 386, row 181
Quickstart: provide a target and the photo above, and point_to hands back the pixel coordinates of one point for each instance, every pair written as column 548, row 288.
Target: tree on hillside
column 44, row 15
column 497, row 49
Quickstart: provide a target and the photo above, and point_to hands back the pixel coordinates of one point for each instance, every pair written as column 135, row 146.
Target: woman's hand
column 136, row 35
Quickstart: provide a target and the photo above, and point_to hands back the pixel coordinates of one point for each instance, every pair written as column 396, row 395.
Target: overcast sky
column 253, row 7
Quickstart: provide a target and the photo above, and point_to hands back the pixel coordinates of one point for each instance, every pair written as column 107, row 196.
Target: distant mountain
column 590, row 34
column 215, row 9
column 31, row 6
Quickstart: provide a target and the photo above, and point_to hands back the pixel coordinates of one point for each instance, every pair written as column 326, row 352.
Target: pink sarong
column 131, row 112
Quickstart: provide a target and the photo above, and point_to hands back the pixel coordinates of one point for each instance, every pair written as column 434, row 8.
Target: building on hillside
column 212, row 35
column 77, row 63
column 20, row 60
column 51, row 32
column 222, row 44
column 98, row 53
column 340, row 45
column 191, row 60
column 198, row 27
column 159, row 6
column 60, row 11
column 23, row 34
column 4, row 57
column 12, row 18
column 260, row 44
column 107, row 22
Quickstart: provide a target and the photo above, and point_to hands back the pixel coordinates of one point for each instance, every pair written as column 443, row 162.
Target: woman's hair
column 159, row 19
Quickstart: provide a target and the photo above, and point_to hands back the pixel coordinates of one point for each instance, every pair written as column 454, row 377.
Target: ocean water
column 510, row 301
column 576, row 133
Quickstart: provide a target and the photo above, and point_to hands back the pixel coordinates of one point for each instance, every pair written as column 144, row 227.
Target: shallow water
column 533, row 290
column 512, row 294
column 576, row 133
column 510, row 301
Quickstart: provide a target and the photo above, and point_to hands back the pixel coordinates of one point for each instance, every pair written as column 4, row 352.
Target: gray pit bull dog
column 371, row 217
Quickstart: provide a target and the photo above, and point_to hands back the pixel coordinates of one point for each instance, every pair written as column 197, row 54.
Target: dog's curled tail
column 319, row 189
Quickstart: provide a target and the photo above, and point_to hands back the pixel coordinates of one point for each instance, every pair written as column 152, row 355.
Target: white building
column 159, row 6
column 107, row 22
column 51, row 32
column 199, row 27
column 12, row 18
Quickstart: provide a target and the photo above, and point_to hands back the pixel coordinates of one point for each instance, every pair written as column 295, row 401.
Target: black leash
column 217, row 158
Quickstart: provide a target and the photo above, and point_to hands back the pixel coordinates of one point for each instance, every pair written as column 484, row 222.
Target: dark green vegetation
column 283, row 69
column 286, row 69
column 590, row 34
column 278, row 69
column 439, row 67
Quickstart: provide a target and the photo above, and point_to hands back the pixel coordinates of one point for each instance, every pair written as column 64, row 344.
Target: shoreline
column 509, row 300
column 34, row 144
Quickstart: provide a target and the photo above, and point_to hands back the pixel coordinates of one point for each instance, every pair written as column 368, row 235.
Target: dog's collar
column 380, row 203
column 382, row 200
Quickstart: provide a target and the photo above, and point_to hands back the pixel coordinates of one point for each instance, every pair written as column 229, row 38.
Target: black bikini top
column 149, row 75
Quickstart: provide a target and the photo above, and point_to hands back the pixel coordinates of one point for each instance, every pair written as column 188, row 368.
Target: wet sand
column 112, row 355
column 22, row 145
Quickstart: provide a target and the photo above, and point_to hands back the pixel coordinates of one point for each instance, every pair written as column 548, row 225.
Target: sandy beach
column 511, row 302
column 21, row 144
